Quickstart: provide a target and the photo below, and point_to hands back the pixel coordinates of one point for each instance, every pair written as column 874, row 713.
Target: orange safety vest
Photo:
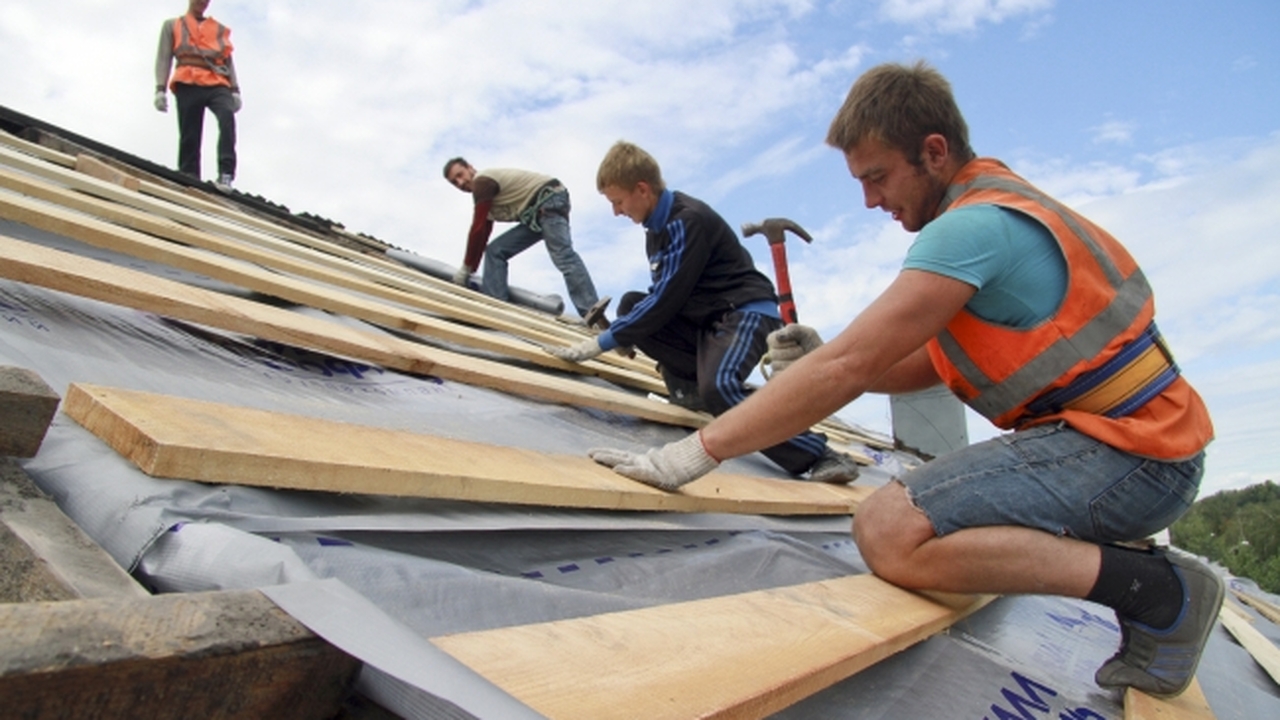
column 202, row 50
column 1098, row 364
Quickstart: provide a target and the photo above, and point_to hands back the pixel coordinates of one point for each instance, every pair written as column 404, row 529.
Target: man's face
column 635, row 203
column 911, row 193
column 197, row 7
column 461, row 175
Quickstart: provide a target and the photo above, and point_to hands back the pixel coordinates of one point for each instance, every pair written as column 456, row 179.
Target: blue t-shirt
column 1012, row 259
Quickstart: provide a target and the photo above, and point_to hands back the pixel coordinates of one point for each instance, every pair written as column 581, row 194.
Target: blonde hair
column 899, row 105
column 626, row 165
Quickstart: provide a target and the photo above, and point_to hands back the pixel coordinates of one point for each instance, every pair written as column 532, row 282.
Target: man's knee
column 888, row 528
column 629, row 300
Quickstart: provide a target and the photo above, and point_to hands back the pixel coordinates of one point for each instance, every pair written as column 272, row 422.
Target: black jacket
column 699, row 270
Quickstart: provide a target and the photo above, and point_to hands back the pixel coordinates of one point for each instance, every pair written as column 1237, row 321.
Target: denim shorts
column 1057, row 480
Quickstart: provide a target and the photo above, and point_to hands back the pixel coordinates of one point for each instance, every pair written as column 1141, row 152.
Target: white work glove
column 789, row 344
column 666, row 468
column 581, row 352
column 162, row 101
column 236, row 102
column 462, row 276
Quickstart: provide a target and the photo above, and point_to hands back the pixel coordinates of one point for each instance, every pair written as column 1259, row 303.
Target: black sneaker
column 1163, row 662
column 834, row 467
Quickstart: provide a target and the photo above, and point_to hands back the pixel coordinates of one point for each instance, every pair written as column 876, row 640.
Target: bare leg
column 899, row 545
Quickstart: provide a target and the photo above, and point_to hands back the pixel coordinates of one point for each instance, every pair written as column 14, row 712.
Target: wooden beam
column 28, row 263
column 203, row 655
column 44, row 555
column 1190, row 705
column 27, row 406
column 738, row 656
column 174, row 437
column 1264, row 652
column 1264, row 608
column 94, row 167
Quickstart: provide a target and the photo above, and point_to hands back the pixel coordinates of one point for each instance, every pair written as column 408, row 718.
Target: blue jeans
column 1054, row 479
column 553, row 217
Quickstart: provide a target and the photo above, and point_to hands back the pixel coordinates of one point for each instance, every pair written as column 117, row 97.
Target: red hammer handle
column 786, row 303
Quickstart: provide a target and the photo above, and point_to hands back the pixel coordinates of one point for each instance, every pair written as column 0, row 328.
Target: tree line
column 1239, row 529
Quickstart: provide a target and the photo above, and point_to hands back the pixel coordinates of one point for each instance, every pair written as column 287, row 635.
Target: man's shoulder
column 685, row 205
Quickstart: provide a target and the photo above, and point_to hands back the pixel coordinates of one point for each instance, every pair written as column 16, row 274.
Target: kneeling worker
column 706, row 316
column 1042, row 322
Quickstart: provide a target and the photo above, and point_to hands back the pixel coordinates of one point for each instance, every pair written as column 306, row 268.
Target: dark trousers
column 192, row 102
column 717, row 361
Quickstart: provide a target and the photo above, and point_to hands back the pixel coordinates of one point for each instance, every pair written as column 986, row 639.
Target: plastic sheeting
column 379, row 575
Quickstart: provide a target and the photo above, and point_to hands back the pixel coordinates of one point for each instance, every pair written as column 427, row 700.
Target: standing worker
column 205, row 77
column 539, row 205
column 1042, row 322
column 706, row 316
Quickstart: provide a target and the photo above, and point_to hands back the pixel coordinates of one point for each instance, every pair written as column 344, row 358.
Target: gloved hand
column 581, row 352
column 236, row 102
column 462, row 275
column 789, row 344
column 162, row 101
column 666, row 468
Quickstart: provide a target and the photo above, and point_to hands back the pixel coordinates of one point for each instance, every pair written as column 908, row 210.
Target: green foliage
column 1239, row 529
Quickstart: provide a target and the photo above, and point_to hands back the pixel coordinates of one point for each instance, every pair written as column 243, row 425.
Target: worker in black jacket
column 708, row 312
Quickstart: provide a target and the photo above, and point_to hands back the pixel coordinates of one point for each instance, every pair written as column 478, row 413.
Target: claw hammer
column 775, row 231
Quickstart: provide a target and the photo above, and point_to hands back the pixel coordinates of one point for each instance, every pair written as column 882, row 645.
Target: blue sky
column 1158, row 119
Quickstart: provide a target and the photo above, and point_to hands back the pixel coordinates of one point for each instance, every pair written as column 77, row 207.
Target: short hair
column 454, row 161
column 899, row 105
column 626, row 165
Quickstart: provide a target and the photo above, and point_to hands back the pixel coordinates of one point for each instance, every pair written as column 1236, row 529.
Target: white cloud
column 1113, row 131
column 950, row 16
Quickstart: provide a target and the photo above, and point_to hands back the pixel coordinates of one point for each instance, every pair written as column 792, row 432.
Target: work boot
column 833, row 467
column 1163, row 662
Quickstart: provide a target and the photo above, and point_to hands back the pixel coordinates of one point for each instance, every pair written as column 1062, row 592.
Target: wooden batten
column 173, row 437
column 737, row 656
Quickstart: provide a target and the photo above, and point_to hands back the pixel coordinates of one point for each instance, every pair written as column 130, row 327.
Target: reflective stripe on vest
column 1078, row 343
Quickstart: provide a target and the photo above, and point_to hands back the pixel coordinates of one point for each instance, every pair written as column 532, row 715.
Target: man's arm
column 483, row 191
column 164, row 56
column 881, row 349
column 683, row 261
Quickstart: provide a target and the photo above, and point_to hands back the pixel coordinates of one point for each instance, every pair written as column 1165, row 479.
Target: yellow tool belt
column 1140, row 371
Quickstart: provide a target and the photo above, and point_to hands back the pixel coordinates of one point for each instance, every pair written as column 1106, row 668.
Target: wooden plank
column 1263, row 650
column 203, row 655
column 27, row 406
column 54, row 219
column 47, row 154
column 28, row 263
column 96, row 168
column 174, row 437
column 44, row 555
column 1264, row 608
column 1190, row 705
column 739, row 656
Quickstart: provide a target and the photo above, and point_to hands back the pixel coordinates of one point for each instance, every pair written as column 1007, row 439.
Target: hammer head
column 595, row 316
column 774, row 230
